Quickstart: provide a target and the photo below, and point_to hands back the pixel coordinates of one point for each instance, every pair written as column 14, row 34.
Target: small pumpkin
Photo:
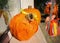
column 23, row 26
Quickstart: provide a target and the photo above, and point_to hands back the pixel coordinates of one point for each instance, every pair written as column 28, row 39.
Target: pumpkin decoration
column 53, row 28
column 24, row 24
column 48, row 7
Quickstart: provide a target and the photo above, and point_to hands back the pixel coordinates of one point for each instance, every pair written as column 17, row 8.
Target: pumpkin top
column 35, row 13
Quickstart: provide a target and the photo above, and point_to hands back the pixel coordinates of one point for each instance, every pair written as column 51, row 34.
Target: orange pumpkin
column 24, row 25
column 35, row 12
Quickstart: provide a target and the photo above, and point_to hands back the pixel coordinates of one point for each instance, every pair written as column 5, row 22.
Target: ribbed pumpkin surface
column 21, row 28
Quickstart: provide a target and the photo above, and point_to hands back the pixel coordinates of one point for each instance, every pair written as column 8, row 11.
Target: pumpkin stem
column 29, row 7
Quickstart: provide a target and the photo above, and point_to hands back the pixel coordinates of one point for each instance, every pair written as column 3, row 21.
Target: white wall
column 16, row 5
column 26, row 3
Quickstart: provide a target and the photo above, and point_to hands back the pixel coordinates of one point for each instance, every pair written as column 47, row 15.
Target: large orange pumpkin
column 24, row 24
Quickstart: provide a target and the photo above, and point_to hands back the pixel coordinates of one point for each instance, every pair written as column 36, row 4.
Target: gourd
column 24, row 25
